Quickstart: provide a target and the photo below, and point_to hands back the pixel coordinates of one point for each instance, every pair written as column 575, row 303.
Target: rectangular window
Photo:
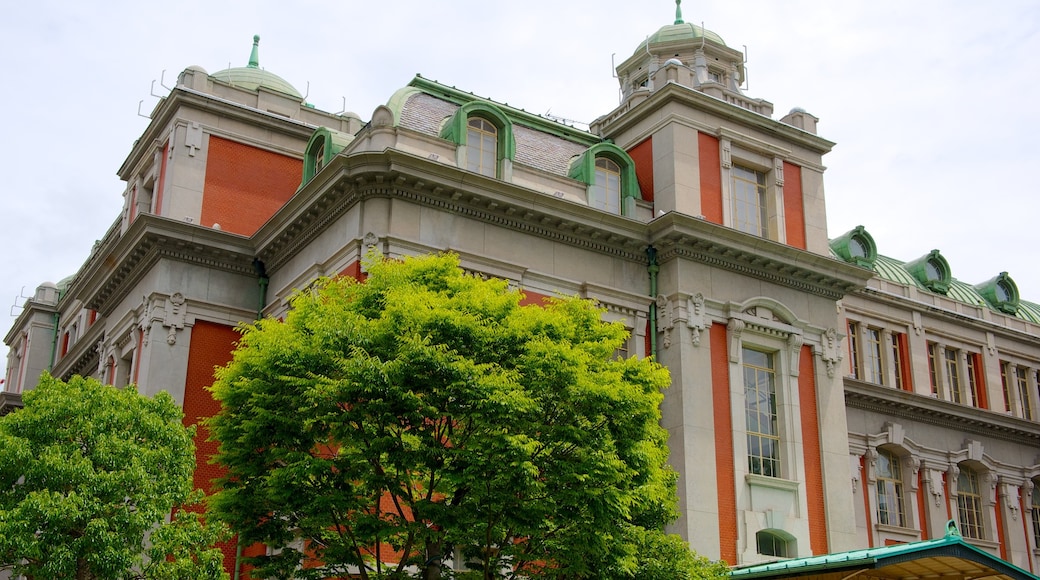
column 901, row 361
column 1022, row 380
column 763, row 435
column 969, row 504
column 854, row 366
column 953, row 377
column 749, row 201
column 889, row 490
column 872, row 362
column 933, row 365
column 976, row 387
column 1005, row 384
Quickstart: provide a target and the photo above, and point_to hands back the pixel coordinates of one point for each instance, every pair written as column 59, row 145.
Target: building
column 825, row 398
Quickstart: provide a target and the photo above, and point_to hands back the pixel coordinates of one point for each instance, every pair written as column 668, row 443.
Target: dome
column 682, row 31
column 252, row 77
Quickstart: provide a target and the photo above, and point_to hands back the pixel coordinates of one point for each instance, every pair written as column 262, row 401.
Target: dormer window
column 1001, row 292
column 481, row 146
column 610, row 178
column 606, row 190
column 856, row 246
column 323, row 146
column 932, row 271
column 483, row 137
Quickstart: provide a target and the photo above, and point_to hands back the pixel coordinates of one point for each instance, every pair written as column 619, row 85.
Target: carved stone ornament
column 174, row 318
column 830, row 351
column 695, row 317
column 665, row 319
column 736, row 328
column 778, row 171
column 1010, row 494
column 794, row 348
column 856, row 468
column 871, row 458
column 727, row 159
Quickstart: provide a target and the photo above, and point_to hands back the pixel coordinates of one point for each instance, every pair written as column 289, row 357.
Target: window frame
column 456, row 130
column 774, row 467
column 890, row 486
column 969, row 503
column 583, row 169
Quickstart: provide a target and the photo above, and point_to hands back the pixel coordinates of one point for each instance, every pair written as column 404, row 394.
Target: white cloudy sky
column 933, row 103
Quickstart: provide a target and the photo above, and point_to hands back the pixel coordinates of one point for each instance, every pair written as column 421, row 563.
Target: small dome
column 252, row 77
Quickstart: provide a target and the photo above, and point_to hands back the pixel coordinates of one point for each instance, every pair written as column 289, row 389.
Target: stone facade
column 800, row 374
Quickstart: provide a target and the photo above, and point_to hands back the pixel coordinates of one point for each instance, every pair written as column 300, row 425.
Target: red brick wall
column 811, row 452
column 643, row 156
column 211, row 346
column 245, row 186
column 794, row 206
column 724, row 478
column 711, row 178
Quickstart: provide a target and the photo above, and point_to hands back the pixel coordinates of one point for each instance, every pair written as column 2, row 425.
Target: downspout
column 54, row 342
column 653, row 269
column 262, row 281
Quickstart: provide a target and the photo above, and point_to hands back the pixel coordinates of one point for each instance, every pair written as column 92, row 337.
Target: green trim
column 584, row 169
column 988, row 290
column 456, row 129
column 517, row 116
column 334, row 142
column 841, row 246
column 919, row 269
column 398, row 99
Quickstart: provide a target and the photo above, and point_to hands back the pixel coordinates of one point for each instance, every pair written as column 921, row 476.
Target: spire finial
column 678, row 12
column 254, row 57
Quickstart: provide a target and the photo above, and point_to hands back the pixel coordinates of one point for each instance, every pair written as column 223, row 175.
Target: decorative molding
column 778, row 171
column 830, row 351
column 794, row 349
column 912, row 407
column 727, row 154
column 665, row 319
column 695, row 317
column 174, row 317
column 735, row 326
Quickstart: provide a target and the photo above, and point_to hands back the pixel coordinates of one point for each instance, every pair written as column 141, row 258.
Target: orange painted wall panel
column 794, row 206
column 724, row 478
column 211, row 346
column 245, row 186
column 811, row 451
column 711, row 178
column 643, row 156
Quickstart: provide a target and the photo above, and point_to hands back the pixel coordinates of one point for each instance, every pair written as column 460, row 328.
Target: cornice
column 9, row 402
column 167, row 110
column 351, row 179
column 150, row 238
column 922, row 409
column 82, row 355
column 678, row 236
column 625, row 117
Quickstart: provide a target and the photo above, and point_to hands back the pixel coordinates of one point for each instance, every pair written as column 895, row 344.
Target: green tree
column 387, row 426
column 87, row 473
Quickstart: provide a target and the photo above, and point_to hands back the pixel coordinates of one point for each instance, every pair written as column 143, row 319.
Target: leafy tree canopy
column 423, row 419
column 87, row 473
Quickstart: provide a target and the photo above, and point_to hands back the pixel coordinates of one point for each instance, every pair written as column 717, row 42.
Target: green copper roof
column 252, row 77
column 949, row 556
column 683, row 31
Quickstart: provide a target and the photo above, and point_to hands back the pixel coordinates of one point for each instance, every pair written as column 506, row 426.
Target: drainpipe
column 262, row 281
column 653, row 269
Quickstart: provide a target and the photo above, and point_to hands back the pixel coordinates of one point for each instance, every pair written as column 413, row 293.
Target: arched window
column 481, row 146
column 771, row 543
column 610, row 175
column 969, row 503
column 889, row 490
column 483, row 136
column 606, row 188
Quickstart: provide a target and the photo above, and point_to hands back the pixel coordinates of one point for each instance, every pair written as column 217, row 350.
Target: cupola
column 251, row 77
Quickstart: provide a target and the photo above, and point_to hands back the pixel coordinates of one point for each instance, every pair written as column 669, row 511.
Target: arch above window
column 458, row 130
column 323, row 145
column 608, row 171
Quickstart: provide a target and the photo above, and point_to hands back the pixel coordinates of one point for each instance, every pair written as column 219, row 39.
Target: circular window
column 858, row 247
column 933, row 270
column 1002, row 291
